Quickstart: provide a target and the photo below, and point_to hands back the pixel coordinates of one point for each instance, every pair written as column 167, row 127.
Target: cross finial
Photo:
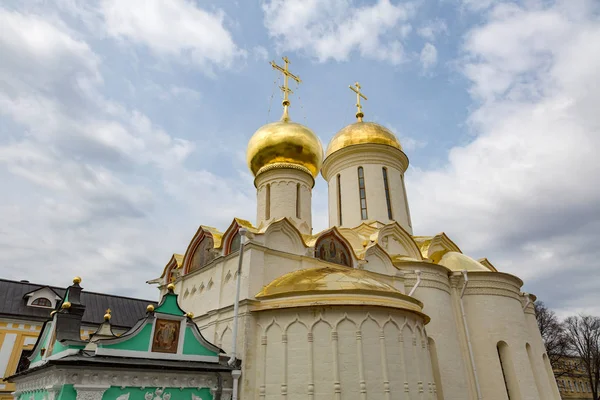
column 356, row 89
column 108, row 311
column 285, row 88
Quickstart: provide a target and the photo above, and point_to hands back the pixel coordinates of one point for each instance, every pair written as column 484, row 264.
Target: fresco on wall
column 203, row 255
column 166, row 336
column 330, row 248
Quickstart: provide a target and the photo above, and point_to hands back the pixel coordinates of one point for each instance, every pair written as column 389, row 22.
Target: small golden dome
column 284, row 142
column 459, row 262
column 150, row 308
column 326, row 279
column 189, row 315
column 77, row 280
column 107, row 317
column 66, row 305
column 171, row 287
column 362, row 133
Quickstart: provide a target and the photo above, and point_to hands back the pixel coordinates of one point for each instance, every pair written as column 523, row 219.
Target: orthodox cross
column 285, row 88
column 356, row 89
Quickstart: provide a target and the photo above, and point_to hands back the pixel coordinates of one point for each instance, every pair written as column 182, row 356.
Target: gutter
column 418, row 273
column 469, row 345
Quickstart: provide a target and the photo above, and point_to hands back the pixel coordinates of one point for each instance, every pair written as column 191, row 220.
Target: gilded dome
column 459, row 262
column 361, row 133
column 284, row 142
column 325, row 279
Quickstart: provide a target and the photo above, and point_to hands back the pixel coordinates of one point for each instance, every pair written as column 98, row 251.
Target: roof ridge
column 84, row 291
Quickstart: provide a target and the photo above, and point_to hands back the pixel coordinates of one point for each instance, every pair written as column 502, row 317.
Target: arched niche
column 395, row 240
column 203, row 254
column 282, row 235
column 332, row 248
column 379, row 261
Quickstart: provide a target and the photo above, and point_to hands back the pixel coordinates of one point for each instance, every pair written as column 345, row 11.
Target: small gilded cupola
column 364, row 168
column 285, row 157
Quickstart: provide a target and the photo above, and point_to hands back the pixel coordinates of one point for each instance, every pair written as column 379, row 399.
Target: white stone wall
column 436, row 294
column 494, row 314
column 372, row 158
column 283, row 183
column 341, row 353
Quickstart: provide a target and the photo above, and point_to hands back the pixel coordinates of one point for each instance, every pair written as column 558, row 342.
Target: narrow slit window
column 268, row 202
column 339, row 199
column 503, row 369
column 362, row 193
column 388, row 200
column 405, row 200
column 297, row 200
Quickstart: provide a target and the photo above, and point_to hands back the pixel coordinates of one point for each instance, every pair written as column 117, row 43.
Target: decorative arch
column 379, row 261
column 200, row 252
column 231, row 237
column 283, row 235
column 332, row 247
column 395, row 240
column 434, row 247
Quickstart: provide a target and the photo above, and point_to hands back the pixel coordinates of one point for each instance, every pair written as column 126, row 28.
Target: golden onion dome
column 362, row 133
column 325, row 279
column 284, row 142
column 459, row 262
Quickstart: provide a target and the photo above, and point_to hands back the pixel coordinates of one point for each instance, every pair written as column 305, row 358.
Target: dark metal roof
column 125, row 310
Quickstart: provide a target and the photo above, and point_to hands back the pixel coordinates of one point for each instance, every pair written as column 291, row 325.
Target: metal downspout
column 469, row 345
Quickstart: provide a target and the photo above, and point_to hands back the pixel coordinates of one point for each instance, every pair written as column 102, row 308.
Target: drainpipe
column 236, row 305
column 236, row 373
column 469, row 345
column 418, row 273
column 528, row 300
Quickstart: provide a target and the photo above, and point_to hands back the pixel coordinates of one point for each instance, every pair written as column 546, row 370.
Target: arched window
column 330, row 248
column 386, row 186
column 339, row 200
column 42, row 302
column 362, row 193
column 203, row 254
column 435, row 365
column 268, row 201
column 534, row 370
column 235, row 243
column 297, row 200
column 508, row 372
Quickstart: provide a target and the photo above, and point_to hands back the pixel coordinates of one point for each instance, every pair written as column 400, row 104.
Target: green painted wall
column 170, row 306
column 191, row 345
column 139, row 394
column 44, row 342
column 68, row 392
column 139, row 342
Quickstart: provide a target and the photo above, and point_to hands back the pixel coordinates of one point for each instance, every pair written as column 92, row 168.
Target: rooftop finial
column 285, row 88
column 108, row 315
column 356, row 89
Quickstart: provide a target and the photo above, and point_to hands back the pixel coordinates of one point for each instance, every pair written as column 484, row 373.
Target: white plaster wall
column 435, row 293
column 283, row 183
column 548, row 384
column 494, row 313
column 372, row 161
column 341, row 353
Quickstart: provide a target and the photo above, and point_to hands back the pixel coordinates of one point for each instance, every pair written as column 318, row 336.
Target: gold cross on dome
column 285, row 88
column 108, row 311
column 356, row 89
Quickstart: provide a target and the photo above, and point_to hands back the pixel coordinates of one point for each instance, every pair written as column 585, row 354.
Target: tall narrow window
column 297, row 200
column 509, row 373
column 362, row 193
column 405, row 200
column 503, row 372
column 388, row 201
column 339, row 200
column 268, row 202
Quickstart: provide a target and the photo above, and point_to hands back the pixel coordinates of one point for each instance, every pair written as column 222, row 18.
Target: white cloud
column 334, row 29
column 431, row 29
column 176, row 28
column 523, row 192
column 428, row 56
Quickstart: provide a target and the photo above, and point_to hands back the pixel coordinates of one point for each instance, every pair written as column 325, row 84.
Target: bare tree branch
column 583, row 338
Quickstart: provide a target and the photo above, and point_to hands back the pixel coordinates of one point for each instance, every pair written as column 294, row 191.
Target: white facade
column 341, row 171
column 363, row 310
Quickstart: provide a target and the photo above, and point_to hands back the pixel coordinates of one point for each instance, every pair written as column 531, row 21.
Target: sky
column 124, row 125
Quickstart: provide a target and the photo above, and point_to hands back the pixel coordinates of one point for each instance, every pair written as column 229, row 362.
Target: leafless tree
column 583, row 336
column 555, row 339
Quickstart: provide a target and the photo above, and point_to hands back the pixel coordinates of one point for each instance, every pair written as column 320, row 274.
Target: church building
column 365, row 309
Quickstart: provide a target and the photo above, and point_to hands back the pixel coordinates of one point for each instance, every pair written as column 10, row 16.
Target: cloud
column 176, row 29
column 431, row 29
column 521, row 192
column 428, row 56
column 93, row 181
column 333, row 30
